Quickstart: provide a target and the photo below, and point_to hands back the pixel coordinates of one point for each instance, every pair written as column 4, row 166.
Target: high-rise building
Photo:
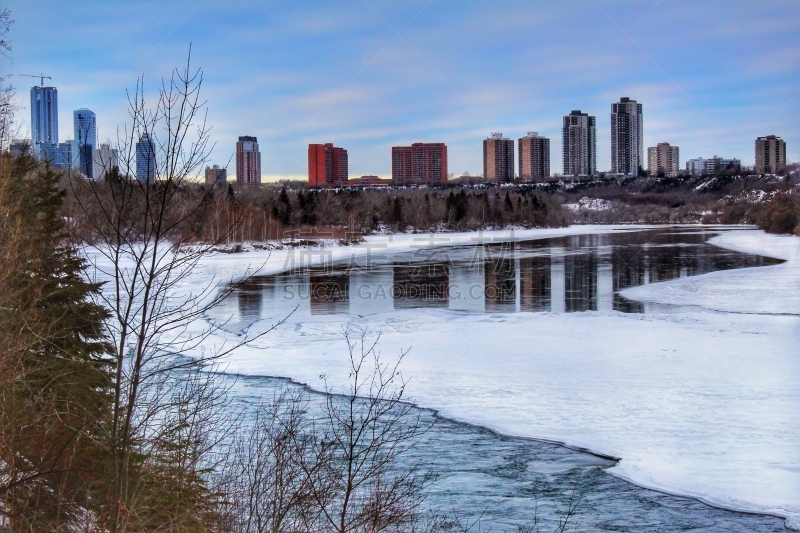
column 401, row 165
column 85, row 129
column 498, row 158
column 663, row 159
column 216, row 176
column 104, row 158
column 534, row 157
column 44, row 115
column 770, row 154
column 146, row 159
column 627, row 137
column 419, row 164
column 64, row 158
column 579, row 139
column 47, row 152
column 58, row 155
column 248, row 162
column 327, row 165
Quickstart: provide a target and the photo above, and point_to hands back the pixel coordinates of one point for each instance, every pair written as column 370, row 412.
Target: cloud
column 711, row 75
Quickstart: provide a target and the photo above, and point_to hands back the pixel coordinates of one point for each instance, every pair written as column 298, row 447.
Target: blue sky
column 369, row 74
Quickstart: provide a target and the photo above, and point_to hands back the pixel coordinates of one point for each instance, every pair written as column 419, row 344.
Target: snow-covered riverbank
column 703, row 403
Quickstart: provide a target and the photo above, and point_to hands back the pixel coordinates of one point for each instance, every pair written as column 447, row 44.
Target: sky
column 367, row 75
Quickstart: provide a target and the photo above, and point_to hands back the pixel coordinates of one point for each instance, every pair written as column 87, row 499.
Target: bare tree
column 7, row 107
column 141, row 225
column 172, row 489
column 356, row 481
column 264, row 477
column 333, row 466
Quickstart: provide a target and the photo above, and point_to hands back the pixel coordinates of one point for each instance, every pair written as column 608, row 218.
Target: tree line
column 770, row 202
column 275, row 213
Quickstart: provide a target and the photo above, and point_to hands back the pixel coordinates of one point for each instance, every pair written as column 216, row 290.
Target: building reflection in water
column 371, row 291
column 329, row 293
column 571, row 274
column 250, row 302
column 466, row 291
column 535, row 292
column 518, row 284
column 558, row 284
column 605, row 275
column 580, row 274
column 500, row 284
column 420, row 285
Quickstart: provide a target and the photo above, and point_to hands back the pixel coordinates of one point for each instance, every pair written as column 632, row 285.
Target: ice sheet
column 766, row 290
column 698, row 404
column 703, row 403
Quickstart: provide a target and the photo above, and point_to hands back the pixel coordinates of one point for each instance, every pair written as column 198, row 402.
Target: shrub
column 780, row 215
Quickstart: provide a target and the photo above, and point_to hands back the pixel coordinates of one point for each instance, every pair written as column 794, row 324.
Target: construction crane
column 42, row 76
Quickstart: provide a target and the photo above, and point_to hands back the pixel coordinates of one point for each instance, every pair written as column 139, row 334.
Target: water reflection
column 420, row 285
column 570, row 274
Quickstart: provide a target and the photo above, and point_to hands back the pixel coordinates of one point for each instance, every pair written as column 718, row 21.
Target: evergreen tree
column 460, row 205
column 286, row 212
column 509, row 206
column 54, row 366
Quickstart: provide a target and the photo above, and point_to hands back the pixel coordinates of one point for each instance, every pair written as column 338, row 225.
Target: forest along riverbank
column 695, row 403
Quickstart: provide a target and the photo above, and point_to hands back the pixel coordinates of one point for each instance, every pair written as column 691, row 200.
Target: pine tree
column 397, row 211
column 54, row 370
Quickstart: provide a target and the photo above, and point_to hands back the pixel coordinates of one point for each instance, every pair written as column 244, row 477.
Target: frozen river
column 693, row 387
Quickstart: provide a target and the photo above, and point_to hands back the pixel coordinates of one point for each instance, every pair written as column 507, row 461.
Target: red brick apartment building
column 248, row 162
column 419, row 164
column 327, row 165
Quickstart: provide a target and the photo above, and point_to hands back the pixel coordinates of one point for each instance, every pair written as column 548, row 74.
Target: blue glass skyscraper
column 146, row 159
column 85, row 123
column 44, row 116
column 58, row 155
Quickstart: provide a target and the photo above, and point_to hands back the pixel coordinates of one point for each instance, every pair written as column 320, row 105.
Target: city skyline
column 712, row 89
column 328, row 165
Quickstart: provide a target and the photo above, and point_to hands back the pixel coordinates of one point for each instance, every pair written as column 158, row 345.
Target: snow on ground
column 590, row 204
column 703, row 403
column 226, row 265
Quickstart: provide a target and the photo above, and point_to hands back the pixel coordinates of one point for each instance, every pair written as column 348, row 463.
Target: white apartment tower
column 104, row 159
